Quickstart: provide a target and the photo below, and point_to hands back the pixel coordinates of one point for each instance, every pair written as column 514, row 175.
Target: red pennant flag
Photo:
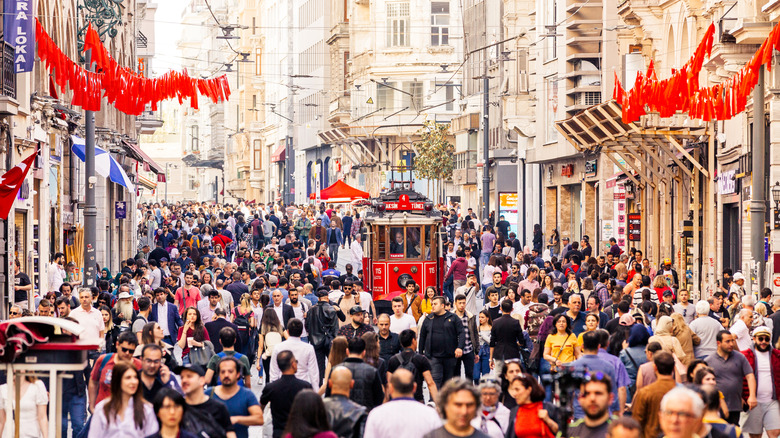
column 11, row 182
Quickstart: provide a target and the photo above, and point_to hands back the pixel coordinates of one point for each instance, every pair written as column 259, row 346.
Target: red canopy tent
column 341, row 192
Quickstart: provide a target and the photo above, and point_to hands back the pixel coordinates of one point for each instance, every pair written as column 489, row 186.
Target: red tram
column 402, row 242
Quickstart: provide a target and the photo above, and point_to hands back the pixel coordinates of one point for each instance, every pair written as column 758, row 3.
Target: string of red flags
column 681, row 92
column 127, row 90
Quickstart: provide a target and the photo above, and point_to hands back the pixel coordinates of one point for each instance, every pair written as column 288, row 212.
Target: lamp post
column 776, row 198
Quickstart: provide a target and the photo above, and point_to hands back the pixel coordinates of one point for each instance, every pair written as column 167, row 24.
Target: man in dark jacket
column 442, row 340
column 218, row 323
column 347, row 419
column 506, row 337
column 367, row 389
column 322, row 325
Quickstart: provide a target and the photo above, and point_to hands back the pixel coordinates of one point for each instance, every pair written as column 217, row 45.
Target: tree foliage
column 435, row 159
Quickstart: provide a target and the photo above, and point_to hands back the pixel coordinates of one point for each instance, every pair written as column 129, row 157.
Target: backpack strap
column 106, row 358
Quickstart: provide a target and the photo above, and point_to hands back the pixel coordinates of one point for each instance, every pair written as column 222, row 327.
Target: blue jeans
column 448, row 289
column 482, row 367
column 544, row 368
column 76, row 406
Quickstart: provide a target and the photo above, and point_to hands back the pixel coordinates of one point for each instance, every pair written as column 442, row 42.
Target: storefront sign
column 591, row 168
column 508, row 207
column 618, row 196
column 120, row 210
column 567, row 170
column 634, row 227
column 727, row 183
column 19, row 27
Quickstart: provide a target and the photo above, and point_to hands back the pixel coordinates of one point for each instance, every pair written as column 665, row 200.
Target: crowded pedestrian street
column 389, row 219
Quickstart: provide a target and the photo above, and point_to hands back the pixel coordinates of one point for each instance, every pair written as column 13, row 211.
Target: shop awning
column 278, row 154
column 341, row 192
column 105, row 164
column 633, row 147
column 139, row 155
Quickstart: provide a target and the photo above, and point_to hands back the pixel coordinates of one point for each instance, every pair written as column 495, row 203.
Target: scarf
column 488, row 414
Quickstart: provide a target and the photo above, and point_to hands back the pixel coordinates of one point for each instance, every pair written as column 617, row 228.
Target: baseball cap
column 355, row 309
column 123, row 295
column 627, row 320
column 191, row 367
column 763, row 330
column 668, row 293
column 739, row 276
column 164, row 259
column 322, row 293
column 667, row 261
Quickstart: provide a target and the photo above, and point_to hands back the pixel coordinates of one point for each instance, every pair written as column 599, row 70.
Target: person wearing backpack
column 227, row 337
column 419, row 365
column 322, row 324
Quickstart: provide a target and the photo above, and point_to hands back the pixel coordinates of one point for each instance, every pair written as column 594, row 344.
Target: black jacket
column 287, row 313
column 452, row 339
column 506, row 338
column 322, row 324
column 367, row 389
column 347, row 419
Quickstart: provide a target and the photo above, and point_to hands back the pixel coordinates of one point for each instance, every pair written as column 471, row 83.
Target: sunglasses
column 763, row 338
column 14, row 313
column 127, row 350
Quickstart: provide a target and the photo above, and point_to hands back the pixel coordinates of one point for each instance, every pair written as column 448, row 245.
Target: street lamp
column 776, row 198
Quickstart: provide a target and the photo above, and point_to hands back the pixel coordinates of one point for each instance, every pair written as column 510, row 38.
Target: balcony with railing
column 8, row 102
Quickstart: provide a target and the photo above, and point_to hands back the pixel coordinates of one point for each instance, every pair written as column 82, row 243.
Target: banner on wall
column 19, row 29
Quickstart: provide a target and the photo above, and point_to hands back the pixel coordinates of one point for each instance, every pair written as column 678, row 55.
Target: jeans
column 304, row 238
column 544, row 368
column 333, row 251
column 168, row 340
column 257, row 242
column 482, row 367
column 468, row 363
column 442, row 369
column 448, row 289
column 321, row 354
column 484, row 258
column 76, row 406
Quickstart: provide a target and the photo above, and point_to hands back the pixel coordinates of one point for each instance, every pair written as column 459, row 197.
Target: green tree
column 435, row 159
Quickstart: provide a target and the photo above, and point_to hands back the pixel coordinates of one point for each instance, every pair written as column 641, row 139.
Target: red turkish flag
column 11, row 182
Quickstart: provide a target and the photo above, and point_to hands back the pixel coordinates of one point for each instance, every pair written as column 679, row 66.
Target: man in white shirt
column 89, row 318
column 56, row 272
column 357, row 252
column 403, row 416
column 741, row 329
column 303, row 352
column 520, row 308
column 300, row 308
column 401, row 321
column 685, row 307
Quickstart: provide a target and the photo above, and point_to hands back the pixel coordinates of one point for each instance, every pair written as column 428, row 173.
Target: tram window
column 413, row 243
column 430, row 242
column 397, row 242
column 381, row 243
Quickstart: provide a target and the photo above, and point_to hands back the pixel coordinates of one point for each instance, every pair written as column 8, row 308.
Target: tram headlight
column 428, row 206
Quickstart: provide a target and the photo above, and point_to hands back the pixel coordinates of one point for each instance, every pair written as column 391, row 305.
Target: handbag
column 201, row 355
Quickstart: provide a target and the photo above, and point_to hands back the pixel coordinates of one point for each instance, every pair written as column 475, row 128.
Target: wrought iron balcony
column 8, row 74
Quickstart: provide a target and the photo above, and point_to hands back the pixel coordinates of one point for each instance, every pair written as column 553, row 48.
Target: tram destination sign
column 404, row 204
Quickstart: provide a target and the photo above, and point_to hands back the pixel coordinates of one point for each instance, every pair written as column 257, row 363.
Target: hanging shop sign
column 19, row 28
column 634, row 227
column 591, row 168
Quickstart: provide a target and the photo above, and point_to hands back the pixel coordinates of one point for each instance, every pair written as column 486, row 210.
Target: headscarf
column 664, row 326
column 107, row 273
column 638, row 336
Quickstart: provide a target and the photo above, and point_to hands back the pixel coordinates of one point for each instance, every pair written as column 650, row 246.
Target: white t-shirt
column 406, row 321
column 418, row 420
column 742, row 333
column 764, row 371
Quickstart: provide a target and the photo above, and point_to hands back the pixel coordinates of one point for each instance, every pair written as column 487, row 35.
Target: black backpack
column 408, row 364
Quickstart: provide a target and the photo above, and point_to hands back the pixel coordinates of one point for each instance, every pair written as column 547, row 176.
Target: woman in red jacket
column 531, row 418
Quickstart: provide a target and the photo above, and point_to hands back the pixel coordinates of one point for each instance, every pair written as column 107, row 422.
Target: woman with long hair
column 338, row 354
column 660, row 286
column 244, row 318
column 152, row 333
column 372, row 352
column 686, row 336
column 308, row 417
column 192, row 334
column 112, row 331
column 633, row 355
column 487, row 272
column 531, row 416
column 425, row 305
column 512, row 368
column 547, row 287
column 664, row 335
column 32, row 408
column 124, row 412
column 271, row 334
column 482, row 366
column 554, row 243
column 561, row 346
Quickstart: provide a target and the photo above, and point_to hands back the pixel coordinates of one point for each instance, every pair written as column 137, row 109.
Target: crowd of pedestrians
column 235, row 321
